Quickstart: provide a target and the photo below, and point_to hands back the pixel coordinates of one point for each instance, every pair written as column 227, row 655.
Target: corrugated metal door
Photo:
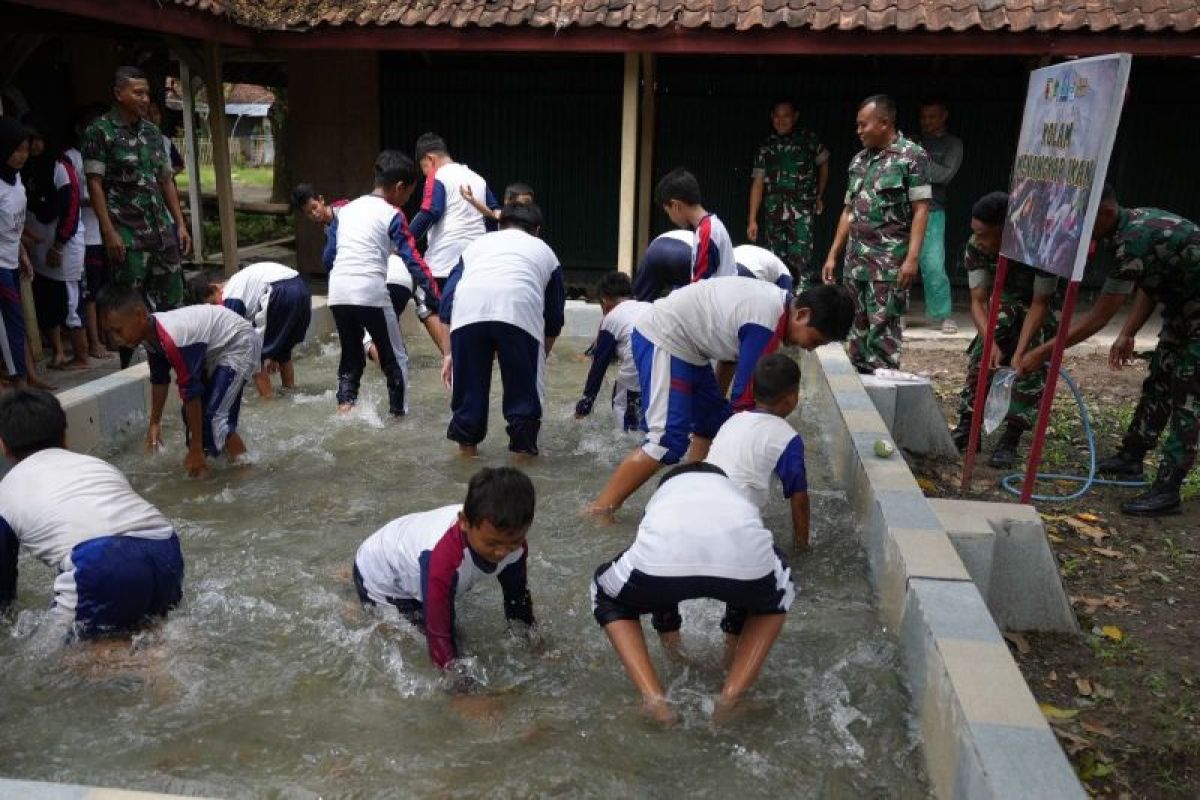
column 553, row 122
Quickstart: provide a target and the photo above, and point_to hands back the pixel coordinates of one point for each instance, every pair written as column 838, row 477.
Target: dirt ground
column 1124, row 698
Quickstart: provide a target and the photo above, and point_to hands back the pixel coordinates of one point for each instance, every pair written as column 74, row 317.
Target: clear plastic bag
column 998, row 398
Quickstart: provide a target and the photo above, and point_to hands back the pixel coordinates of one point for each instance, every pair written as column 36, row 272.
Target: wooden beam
column 629, row 145
column 192, row 155
column 645, row 158
column 220, row 146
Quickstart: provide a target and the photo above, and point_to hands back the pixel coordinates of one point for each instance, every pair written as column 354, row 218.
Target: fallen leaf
column 1087, row 517
column 927, row 486
column 1092, row 603
column 1084, row 686
column 1084, row 529
column 1103, row 691
column 1161, row 578
column 1107, row 553
column 1052, row 677
column 1098, row 729
column 1112, row 632
column 1019, row 641
column 1052, row 712
column 1072, row 742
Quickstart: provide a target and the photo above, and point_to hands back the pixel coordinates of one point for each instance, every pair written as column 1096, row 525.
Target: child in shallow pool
column 753, row 447
column 700, row 537
column 118, row 558
column 422, row 563
column 213, row 352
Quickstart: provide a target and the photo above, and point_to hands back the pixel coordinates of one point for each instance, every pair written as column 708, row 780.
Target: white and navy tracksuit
column 57, row 290
column 759, row 262
column 754, row 446
column 12, row 225
column 700, row 537
column 422, row 563
column 448, row 221
column 361, row 237
column 505, row 298
column 613, row 342
column 723, row 319
column 276, row 301
column 117, row 556
column 213, row 351
column 709, row 254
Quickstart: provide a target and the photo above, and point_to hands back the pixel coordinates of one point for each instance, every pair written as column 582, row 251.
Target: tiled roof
column 820, row 15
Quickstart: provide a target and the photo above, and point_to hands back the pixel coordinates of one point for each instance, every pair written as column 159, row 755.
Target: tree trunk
column 281, row 182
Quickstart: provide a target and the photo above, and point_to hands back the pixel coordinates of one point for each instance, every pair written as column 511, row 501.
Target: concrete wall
column 333, row 132
column 982, row 732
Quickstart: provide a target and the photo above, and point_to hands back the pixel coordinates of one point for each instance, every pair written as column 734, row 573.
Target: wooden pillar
column 645, row 157
column 220, row 147
column 192, row 155
column 629, row 129
column 33, row 331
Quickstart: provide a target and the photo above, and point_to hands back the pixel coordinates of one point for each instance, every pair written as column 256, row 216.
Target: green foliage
column 251, row 229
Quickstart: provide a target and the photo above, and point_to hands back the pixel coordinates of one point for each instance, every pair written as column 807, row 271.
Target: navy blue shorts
column 222, row 404
column 289, row 310
column 120, row 582
column 411, row 610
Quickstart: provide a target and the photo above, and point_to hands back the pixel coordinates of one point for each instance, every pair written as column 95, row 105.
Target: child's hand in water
column 195, row 464
column 154, row 440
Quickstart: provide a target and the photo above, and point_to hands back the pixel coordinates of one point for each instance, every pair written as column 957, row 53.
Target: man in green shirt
column 883, row 221
column 1157, row 259
column 791, row 170
column 132, row 189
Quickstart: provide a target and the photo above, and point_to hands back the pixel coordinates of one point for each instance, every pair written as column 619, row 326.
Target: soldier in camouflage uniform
column 133, row 192
column 881, row 228
column 1157, row 257
column 1027, row 319
column 791, row 170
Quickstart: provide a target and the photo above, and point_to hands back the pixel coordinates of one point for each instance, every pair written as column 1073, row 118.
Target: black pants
column 351, row 323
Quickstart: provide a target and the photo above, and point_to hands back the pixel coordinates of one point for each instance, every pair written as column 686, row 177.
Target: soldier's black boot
column 1126, row 462
column 1004, row 455
column 1161, row 498
column 961, row 434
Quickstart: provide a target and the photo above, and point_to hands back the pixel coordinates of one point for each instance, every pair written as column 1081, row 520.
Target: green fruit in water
column 884, row 448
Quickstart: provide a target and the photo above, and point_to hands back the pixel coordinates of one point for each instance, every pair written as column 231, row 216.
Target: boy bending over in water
column 700, row 537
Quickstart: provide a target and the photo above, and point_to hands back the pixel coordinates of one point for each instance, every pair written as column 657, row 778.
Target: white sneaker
column 949, row 328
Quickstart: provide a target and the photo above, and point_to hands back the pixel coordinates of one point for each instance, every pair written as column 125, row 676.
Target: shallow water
column 270, row 681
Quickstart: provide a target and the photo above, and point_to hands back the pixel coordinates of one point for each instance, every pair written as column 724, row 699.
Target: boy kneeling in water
column 422, row 563
column 118, row 558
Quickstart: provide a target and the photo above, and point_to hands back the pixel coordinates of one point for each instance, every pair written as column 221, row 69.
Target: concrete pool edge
column 982, row 732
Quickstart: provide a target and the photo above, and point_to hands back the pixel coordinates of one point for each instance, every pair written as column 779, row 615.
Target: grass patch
column 245, row 176
column 251, row 229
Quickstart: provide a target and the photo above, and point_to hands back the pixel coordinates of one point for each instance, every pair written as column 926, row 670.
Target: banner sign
column 1071, row 115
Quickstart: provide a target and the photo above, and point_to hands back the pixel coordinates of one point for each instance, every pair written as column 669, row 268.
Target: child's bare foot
column 235, row 448
column 100, row 352
column 345, row 408
column 468, row 451
column 521, row 459
column 477, row 707
column 38, row 383
column 75, row 364
column 659, row 710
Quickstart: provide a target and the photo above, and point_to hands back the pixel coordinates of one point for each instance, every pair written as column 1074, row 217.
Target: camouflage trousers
column 157, row 272
column 789, row 230
column 1171, row 394
column 1027, row 391
column 878, row 327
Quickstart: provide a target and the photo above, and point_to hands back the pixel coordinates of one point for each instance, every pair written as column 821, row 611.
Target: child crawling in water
column 422, row 563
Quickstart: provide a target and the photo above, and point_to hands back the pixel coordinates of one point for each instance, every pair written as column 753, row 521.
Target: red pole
column 981, row 383
column 1039, row 432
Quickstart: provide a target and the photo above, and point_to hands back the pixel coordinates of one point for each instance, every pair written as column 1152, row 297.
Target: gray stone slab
column 1012, row 763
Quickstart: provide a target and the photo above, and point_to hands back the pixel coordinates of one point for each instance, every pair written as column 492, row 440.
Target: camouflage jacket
column 883, row 186
column 1158, row 252
column 788, row 166
column 131, row 160
column 1021, row 282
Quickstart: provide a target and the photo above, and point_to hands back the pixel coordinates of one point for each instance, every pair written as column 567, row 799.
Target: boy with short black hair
column 678, row 195
column 422, row 563
column 621, row 313
column 448, row 220
column 361, row 237
column 700, row 537
column 513, row 193
column 504, row 302
column 276, row 301
column 213, row 352
column 118, row 558
column 674, row 344
column 752, row 447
